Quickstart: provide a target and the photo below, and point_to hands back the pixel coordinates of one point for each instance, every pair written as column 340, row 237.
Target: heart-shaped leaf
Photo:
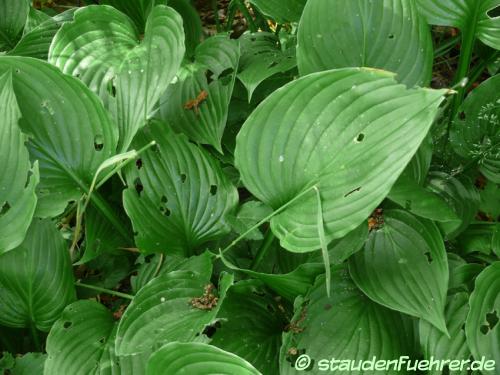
column 252, row 322
column 13, row 16
column 36, row 279
column 82, row 342
column 70, row 133
column 17, row 188
column 403, row 266
column 482, row 327
column 346, row 325
column 104, row 49
column 389, row 35
column 197, row 358
column 179, row 187
column 197, row 103
column 476, row 15
column 281, row 11
column 175, row 306
column 475, row 133
column 437, row 345
column 349, row 132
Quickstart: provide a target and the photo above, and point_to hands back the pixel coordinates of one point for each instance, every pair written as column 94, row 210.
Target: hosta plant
column 248, row 187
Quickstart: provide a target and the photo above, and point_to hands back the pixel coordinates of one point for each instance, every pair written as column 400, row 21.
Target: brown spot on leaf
column 207, row 301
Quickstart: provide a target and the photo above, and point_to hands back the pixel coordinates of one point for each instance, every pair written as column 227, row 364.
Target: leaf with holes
column 82, row 342
column 477, row 17
column 475, row 133
column 383, row 34
column 69, row 131
column 262, row 58
column 179, row 188
column 18, row 179
column 346, row 325
column 36, row 280
column 482, row 326
column 252, row 322
column 175, row 306
column 197, row 358
column 437, row 345
column 350, row 132
column 197, row 103
column 13, row 16
column 131, row 76
column 403, row 266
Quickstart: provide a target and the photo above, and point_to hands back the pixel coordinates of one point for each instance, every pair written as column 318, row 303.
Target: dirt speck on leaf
column 208, row 301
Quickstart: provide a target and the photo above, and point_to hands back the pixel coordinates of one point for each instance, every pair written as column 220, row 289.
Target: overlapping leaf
column 13, row 16
column 180, row 189
column 403, row 266
column 103, row 48
column 346, row 325
column 17, row 187
column 197, row 103
column 386, row 34
column 350, row 132
column 281, row 11
column 475, row 133
column 36, row 279
column 137, row 10
column 196, row 358
column 475, row 16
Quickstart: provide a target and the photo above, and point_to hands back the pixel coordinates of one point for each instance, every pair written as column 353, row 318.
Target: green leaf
column 475, row 133
column 404, row 266
column 192, row 23
column 490, row 204
column 197, row 103
column 13, row 16
column 36, row 279
column 164, row 311
column 482, row 328
column 419, row 166
column 346, row 325
column 379, row 34
column 474, row 15
column 36, row 42
column 181, row 189
column 281, row 11
column 197, row 358
column 82, row 341
column 252, row 322
column 29, row 364
column 18, row 179
column 460, row 194
column 437, row 345
column 480, row 237
column 249, row 214
column 137, row 10
column 131, row 76
column 261, row 58
column 350, row 132
column 70, row 133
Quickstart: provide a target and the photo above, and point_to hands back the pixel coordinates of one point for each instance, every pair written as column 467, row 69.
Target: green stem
column 35, row 337
column 215, row 9
column 104, row 290
column 266, row 219
column 243, row 9
column 478, row 70
column 444, row 48
column 230, row 16
column 263, row 250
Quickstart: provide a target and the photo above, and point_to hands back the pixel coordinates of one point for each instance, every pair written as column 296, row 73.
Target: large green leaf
column 350, row 132
column 482, row 328
column 36, row 279
column 281, row 11
column 403, row 266
column 164, row 311
column 251, row 325
column 82, row 342
column 70, row 133
column 29, row 364
column 261, row 58
column 197, row 103
column 346, row 325
column 13, row 16
column 475, row 133
column 386, row 34
column 17, row 188
column 197, row 358
column 104, row 49
column 36, row 42
column 181, row 189
column 465, row 14
column 437, row 345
